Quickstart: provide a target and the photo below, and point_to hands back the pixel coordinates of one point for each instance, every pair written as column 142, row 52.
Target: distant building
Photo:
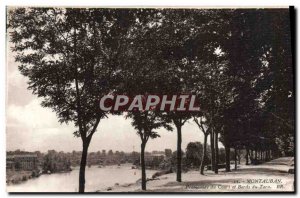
column 133, row 157
column 22, row 162
column 10, row 163
column 158, row 152
column 153, row 160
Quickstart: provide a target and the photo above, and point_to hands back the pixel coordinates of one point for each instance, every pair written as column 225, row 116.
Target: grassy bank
column 15, row 177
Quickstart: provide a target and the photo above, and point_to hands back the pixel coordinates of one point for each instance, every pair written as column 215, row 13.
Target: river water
column 96, row 179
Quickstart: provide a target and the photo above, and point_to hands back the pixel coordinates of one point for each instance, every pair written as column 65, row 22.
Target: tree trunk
column 216, row 153
column 247, row 156
column 213, row 160
column 235, row 159
column 84, row 154
column 203, row 160
column 239, row 156
column 255, row 153
column 227, row 158
column 179, row 154
column 143, row 145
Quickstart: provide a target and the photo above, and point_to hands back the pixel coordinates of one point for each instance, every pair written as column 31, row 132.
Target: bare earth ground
column 267, row 177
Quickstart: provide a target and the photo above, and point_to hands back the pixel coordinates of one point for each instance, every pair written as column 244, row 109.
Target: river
column 96, row 179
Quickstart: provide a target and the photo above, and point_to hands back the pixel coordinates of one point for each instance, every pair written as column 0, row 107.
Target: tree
column 145, row 123
column 142, row 73
column 179, row 119
column 201, row 65
column 193, row 154
column 206, row 131
column 255, row 60
column 69, row 58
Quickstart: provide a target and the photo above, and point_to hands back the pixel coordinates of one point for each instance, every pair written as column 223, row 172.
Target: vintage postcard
column 144, row 100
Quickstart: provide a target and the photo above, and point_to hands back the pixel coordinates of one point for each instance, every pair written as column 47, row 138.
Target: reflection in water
column 96, row 179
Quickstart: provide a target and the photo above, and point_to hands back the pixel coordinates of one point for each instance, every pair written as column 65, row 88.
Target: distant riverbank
column 16, row 177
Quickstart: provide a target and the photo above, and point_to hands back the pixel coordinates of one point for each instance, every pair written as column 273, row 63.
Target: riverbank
column 16, row 177
column 268, row 177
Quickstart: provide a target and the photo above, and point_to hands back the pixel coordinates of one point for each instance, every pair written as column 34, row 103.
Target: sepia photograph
column 150, row 99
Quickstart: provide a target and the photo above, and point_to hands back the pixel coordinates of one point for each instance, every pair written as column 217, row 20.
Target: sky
column 30, row 127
